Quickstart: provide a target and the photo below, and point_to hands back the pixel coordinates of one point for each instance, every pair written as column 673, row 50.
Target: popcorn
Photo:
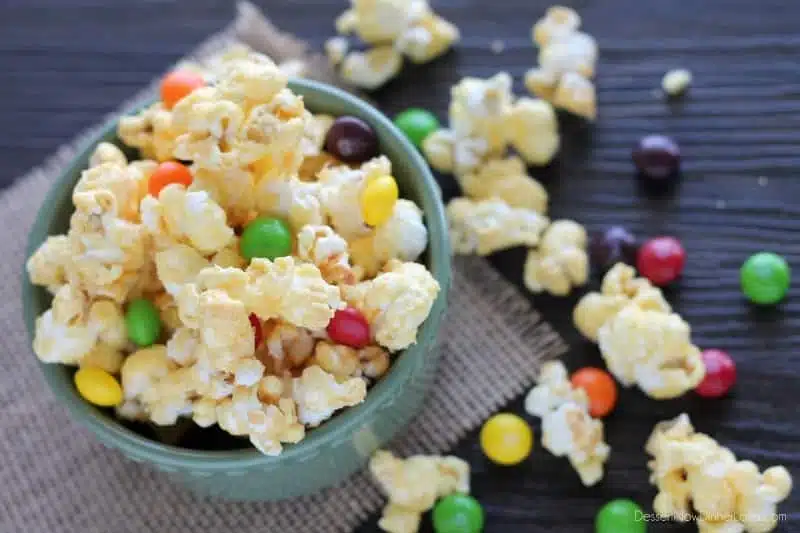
column 507, row 180
column 189, row 217
column 323, row 247
column 567, row 59
column 395, row 303
column 695, row 476
column 676, row 81
column 179, row 265
column 336, row 49
column 288, row 346
column 318, row 395
column 620, row 287
column 296, row 293
column 487, row 226
column 292, row 199
column 107, row 153
column 119, row 188
column 413, row 485
column 533, row 131
column 232, row 189
column 336, row 359
column 431, row 37
column 150, row 131
column 316, row 131
column 250, row 80
column 438, row 148
column 404, row 237
column 371, row 69
column 143, row 369
column 105, row 357
column 560, row 262
column 567, row 428
column 651, row 349
column 48, row 266
column 480, row 108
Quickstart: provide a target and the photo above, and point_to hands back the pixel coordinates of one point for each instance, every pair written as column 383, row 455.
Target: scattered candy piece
column 765, row 278
column 661, row 260
column 349, row 327
column 167, row 173
column 506, row 439
column 620, row 516
column 417, row 124
column 614, row 245
column 98, row 387
column 378, row 200
column 351, row 140
column 178, row 84
column 720, row 374
column 676, row 81
column 258, row 331
column 600, row 388
column 266, row 237
column 458, row 513
column 142, row 322
column 657, row 158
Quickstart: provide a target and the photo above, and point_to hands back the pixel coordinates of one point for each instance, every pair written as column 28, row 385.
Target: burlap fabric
column 54, row 477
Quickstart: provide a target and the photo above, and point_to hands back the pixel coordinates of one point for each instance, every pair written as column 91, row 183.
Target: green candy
column 266, row 237
column 417, row 124
column 142, row 322
column 620, row 516
column 765, row 278
column 458, row 513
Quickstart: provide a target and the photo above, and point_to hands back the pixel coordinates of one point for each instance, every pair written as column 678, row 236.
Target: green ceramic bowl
column 338, row 448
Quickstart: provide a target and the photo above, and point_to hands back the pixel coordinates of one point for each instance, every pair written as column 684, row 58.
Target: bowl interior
column 415, row 182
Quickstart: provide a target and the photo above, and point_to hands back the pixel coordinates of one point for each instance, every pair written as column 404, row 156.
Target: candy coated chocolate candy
column 614, row 245
column 266, row 237
column 349, row 327
column 657, row 158
column 417, row 124
column 458, row 513
column 98, row 387
column 600, row 387
column 661, row 260
column 142, row 322
column 620, row 516
column 765, row 278
column 506, row 439
column 351, row 140
column 720, row 374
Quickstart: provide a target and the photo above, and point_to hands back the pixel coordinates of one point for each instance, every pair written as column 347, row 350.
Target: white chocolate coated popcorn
column 413, row 485
column 506, row 179
column 371, row 69
column 479, row 109
column 533, row 130
column 567, row 428
column 698, row 478
column 318, row 395
column 323, row 247
column 560, row 262
column 487, row 226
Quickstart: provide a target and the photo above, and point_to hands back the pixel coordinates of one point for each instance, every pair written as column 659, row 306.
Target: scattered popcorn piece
column 404, row 237
column 576, row 95
column 396, row 302
column 572, row 52
column 619, row 288
column 438, row 148
column 567, row 428
column 48, row 265
column 318, row 395
column 371, row 69
column 676, row 81
column 558, row 21
column 696, row 477
column 150, row 131
column 428, row 39
column 323, row 247
column 533, row 131
column 479, row 108
column 506, row 179
column 560, row 262
column 232, row 189
column 336, row 49
column 413, row 485
column 487, row 226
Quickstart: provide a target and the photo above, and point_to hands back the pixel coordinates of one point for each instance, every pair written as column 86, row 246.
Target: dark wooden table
column 66, row 63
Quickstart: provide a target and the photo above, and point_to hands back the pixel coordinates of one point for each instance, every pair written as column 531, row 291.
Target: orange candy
column 167, row 173
column 177, row 84
column 600, row 388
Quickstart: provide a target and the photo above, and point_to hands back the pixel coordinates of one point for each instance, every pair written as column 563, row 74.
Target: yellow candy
column 506, row 439
column 98, row 386
column 378, row 199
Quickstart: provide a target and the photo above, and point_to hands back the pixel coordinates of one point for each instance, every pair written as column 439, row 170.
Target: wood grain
column 65, row 64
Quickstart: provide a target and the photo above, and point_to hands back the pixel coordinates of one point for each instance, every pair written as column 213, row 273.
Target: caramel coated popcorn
column 698, row 479
column 567, row 428
column 241, row 339
column 413, row 485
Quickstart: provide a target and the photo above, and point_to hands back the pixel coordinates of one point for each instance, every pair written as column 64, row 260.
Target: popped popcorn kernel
column 533, row 131
column 438, row 148
column 506, row 179
column 107, row 153
column 479, row 108
column 371, row 69
column 567, row 428
column 288, row 347
column 561, row 261
column 395, row 303
column 318, row 395
column 48, row 265
column 487, row 226
column 324, row 248
column 698, row 478
column 336, row 49
column 428, row 39
column 558, row 21
column 413, row 485
column 150, row 131
column 576, row 95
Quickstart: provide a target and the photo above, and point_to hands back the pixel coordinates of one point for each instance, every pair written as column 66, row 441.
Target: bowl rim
column 139, row 447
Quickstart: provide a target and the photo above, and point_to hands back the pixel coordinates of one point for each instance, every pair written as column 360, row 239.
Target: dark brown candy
column 351, row 140
column 657, row 158
column 615, row 245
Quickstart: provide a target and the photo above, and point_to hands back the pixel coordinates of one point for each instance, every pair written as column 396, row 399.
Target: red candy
column 349, row 327
column 258, row 333
column 720, row 374
column 661, row 260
